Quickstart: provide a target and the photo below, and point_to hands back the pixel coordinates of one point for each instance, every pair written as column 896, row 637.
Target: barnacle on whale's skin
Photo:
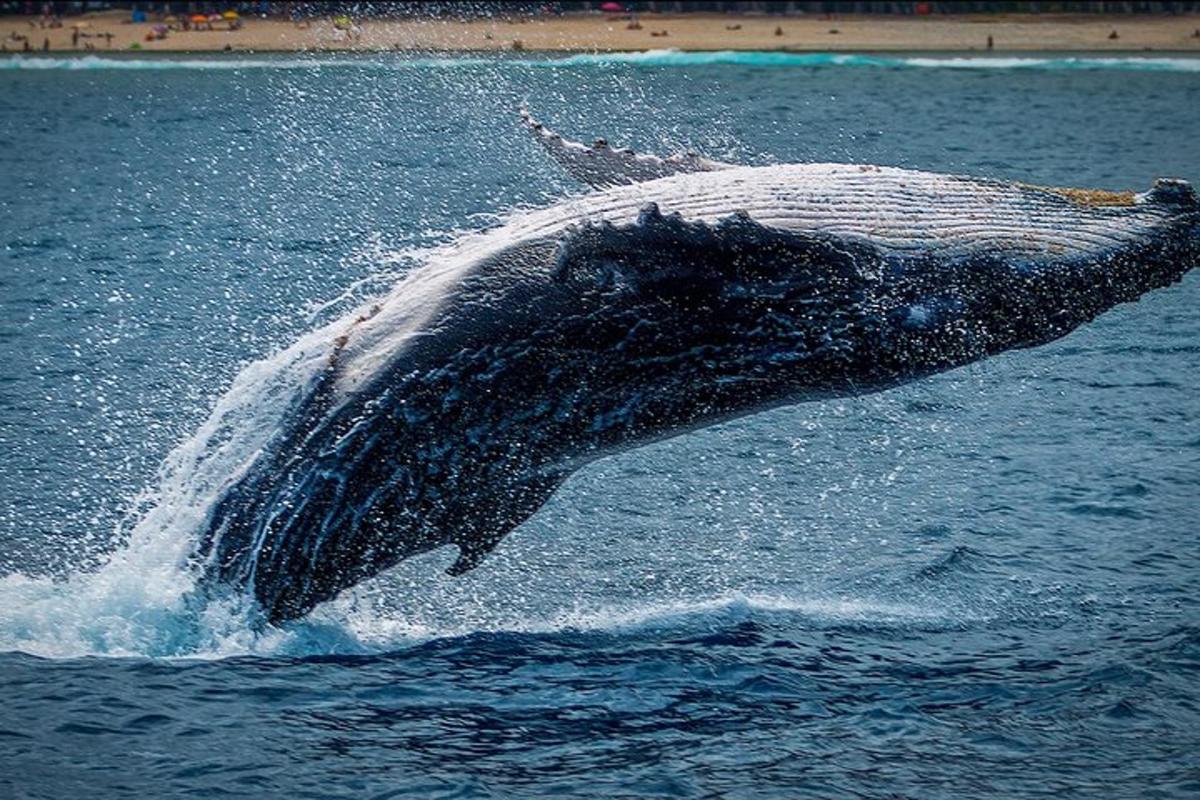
column 340, row 341
column 686, row 293
column 1095, row 198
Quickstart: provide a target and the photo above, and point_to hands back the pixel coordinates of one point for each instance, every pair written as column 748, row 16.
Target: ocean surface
column 985, row 584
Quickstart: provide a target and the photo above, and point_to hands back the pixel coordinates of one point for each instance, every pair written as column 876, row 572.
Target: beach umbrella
column 612, row 8
column 230, row 14
column 199, row 19
column 161, row 29
column 171, row 18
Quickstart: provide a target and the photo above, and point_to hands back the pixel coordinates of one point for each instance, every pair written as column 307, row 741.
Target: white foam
column 135, row 603
column 169, row 63
column 645, row 58
column 348, row 627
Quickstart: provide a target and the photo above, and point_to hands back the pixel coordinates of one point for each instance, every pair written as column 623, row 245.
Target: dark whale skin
column 563, row 349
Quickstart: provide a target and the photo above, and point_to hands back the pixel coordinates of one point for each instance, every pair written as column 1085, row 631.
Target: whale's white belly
column 896, row 209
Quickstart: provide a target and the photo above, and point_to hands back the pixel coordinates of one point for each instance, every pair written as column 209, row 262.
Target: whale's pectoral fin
column 600, row 165
column 476, row 540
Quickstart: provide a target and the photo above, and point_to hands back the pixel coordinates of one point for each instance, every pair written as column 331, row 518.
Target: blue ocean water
column 984, row 584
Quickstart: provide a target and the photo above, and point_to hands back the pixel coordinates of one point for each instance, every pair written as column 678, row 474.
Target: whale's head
column 954, row 307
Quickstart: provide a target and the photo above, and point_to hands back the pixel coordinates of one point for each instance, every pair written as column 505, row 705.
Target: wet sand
column 600, row 33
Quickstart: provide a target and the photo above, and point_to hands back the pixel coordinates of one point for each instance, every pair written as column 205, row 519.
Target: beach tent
column 138, row 15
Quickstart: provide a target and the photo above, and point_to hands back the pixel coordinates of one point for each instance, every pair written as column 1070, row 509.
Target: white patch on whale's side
column 896, row 210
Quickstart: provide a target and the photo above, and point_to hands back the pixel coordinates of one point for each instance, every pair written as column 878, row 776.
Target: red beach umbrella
column 612, row 8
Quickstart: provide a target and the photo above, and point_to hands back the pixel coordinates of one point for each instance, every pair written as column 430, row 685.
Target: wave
column 40, row 620
column 671, row 58
column 648, row 58
column 83, row 63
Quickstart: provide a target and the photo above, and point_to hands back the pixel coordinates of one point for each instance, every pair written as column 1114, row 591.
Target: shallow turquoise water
column 982, row 585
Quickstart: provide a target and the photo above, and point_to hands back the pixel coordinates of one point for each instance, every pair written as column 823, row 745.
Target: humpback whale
column 681, row 293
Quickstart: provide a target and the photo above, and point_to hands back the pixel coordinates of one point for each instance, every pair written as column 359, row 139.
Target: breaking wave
column 648, row 58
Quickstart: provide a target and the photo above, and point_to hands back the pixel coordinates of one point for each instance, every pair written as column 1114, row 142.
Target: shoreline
column 109, row 33
column 618, row 55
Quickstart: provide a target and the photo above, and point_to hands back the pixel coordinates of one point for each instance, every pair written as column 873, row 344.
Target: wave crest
column 647, row 58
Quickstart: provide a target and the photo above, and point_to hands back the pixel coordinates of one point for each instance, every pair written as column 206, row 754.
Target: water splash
column 137, row 602
column 115, row 616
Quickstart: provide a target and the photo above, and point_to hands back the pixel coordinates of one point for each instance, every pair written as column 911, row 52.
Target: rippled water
column 984, row 584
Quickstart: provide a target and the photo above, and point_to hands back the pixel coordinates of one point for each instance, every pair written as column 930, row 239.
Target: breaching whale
column 688, row 292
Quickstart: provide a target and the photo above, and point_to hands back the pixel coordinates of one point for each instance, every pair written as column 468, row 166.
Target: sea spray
column 137, row 602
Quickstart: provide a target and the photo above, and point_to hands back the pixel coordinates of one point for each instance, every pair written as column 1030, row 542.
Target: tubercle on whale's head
column 1172, row 192
column 1180, row 198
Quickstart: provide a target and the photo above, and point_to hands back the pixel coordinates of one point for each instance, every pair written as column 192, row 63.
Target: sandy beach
column 601, row 33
